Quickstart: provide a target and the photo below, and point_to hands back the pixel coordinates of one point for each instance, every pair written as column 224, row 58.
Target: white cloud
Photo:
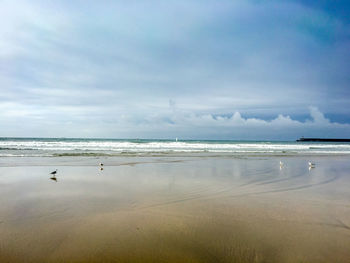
column 236, row 120
column 235, row 126
column 318, row 117
column 88, row 121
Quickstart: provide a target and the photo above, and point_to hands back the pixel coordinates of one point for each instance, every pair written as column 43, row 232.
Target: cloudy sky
column 193, row 69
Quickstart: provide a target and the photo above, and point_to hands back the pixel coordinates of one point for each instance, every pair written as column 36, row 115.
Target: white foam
column 21, row 147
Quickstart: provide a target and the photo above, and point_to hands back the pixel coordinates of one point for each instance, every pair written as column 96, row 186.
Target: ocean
column 50, row 147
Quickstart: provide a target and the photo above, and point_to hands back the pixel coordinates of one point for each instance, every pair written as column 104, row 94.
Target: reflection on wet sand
column 53, row 178
column 183, row 210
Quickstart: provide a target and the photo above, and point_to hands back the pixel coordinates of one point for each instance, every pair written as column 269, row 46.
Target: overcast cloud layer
column 162, row 69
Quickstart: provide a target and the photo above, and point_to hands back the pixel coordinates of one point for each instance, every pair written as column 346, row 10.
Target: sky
column 192, row 69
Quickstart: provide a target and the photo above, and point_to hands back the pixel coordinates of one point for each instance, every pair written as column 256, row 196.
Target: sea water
column 115, row 147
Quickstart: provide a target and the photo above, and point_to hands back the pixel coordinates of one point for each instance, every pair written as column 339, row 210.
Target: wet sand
column 175, row 209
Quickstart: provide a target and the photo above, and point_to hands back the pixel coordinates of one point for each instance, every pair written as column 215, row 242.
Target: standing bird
column 54, row 175
column 311, row 165
column 101, row 164
column 281, row 163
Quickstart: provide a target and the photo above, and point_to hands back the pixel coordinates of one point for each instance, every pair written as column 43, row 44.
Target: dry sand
column 175, row 209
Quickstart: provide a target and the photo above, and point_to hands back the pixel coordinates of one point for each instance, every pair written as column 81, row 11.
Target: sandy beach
column 175, row 209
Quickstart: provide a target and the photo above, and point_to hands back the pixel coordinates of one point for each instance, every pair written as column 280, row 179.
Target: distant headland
column 302, row 139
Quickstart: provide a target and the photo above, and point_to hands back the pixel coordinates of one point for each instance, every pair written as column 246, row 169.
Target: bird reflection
column 53, row 178
column 101, row 168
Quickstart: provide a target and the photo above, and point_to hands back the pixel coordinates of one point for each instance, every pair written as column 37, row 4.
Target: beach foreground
column 175, row 209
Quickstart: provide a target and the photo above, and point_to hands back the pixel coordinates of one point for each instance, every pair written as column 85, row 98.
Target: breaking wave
column 109, row 147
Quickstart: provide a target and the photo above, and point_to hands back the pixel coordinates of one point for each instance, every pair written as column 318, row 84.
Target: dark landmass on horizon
column 322, row 140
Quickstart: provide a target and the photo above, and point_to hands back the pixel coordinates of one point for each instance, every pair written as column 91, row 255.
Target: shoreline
column 180, row 154
column 92, row 161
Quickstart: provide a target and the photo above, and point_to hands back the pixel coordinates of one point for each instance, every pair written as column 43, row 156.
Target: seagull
column 281, row 163
column 311, row 165
column 54, row 175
